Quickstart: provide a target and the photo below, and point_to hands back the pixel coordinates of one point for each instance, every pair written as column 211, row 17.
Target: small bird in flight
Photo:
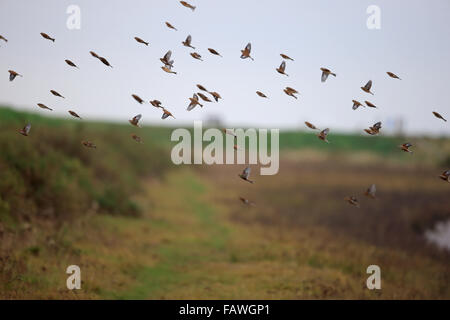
column 134, row 121
column 141, row 41
column 3, row 38
column 286, row 57
column 13, row 75
column 324, row 134
column 168, row 69
column 204, row 98
column 445, row 175
column 166, row 114
column 137, row 98
column 70, row 63
column 262, row 95
column 281, row 68
column 247, row 202
column 166, row 59
column 370, row 104
column 405, row 147
column 43, row 106
column 352, row 200
column 89, row 144
column 94, row 54
column 215, row 95
column 46, row 36
column 56, row 94
column 375, row 129
column 290, row 92
column 311, row 126
column 136, row 138
column 105, row 62
column 214, row 52
column 187, row 42
column 245, row 175
column 437, row 115
column 393, row 75
column 187, row 5
column 201, row 87
column 367, row 87
column 246, row 52
column 171, row 26
column 194, row 102
column 195, row 55
column 325, row 73
column 26, row 130
column 74, row 114
column 156, row 103
column 371, row 191
column 356, row 104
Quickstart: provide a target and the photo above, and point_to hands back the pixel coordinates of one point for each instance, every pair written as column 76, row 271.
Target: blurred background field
column 140, row 227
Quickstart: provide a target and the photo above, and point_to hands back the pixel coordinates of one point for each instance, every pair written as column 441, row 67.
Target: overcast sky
column 412, row 43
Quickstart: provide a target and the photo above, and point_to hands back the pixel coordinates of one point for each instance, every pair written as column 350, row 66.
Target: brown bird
column 43, row 106
column 194, row 102
column 370, row 104
column 56, row 94
column 135, row 120
column 311, row 126
column 281, row 68
column 371, row 191
column 393, row 75
column 166, row 59
column 105, row 62
column 70, row 63
column 353, row 201
column 262, row 95
column 137, row 98
column 215, row 95
column 290, row 92
column 26, row 130
column 46, row 36
column 187, row 42
column 286, row 57
column 405, row 147
column 374, row 130
column 195, row 55
column 136, row 138
column 74, row 114
column 325, row 73
column 141, row 41
column 204, row 98
column 245, row 175
column 445, row 175
column 166, row 114
column 214, row 52
column 324, row 134
column 168, row 69
column 13, row 75
column 156, row 103
column 171, row 26
column 94, row 54
column 89, row 144
column 367, row 87
column 201, row 87
column 247, row 202
column 356, row 104
column 3, row 38
column 246, row 52
column 437, row 115
column 187, row 5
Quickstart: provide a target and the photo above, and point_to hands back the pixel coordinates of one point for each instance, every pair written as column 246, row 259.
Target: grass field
column 188, row 236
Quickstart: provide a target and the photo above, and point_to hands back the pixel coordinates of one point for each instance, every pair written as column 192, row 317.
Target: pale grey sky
column 412, row 42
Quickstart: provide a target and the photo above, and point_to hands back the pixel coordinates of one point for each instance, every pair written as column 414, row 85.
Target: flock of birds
column 168, row 65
